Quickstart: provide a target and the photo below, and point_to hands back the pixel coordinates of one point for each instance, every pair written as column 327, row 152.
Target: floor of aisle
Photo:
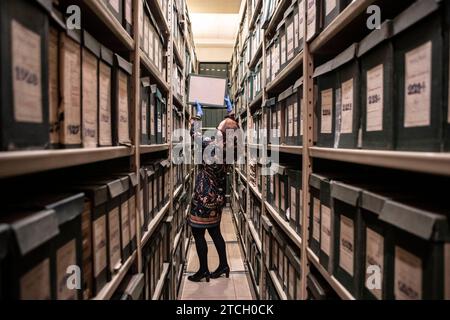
column 237, row 287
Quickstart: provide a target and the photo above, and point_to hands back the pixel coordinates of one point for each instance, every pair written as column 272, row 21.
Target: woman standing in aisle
column 208, row 202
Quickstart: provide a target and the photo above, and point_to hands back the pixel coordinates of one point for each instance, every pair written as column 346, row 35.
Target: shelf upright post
column 308, row 136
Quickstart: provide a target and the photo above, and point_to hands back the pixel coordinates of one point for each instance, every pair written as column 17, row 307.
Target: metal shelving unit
column 283, row 224
column 286, row 72
column 297, row 150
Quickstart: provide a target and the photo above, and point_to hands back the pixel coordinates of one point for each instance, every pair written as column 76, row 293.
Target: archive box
column 290, row 34
column 90, row 91
column 143, row 201
column 418, row 45
column 268, row 66
column 347, row 69
column 325, row 108
column 331, row 9
column 94, row 235
column 24, row 82
column 376, row 55
column 128, row 16
column 132, row 191
column 70, row 77
column 313, row 18
column 326, row 221
column 68, row 209
column 131, row 288
column 152, row 114
column 283, row 181
column 165, row 180
column 420, row 250
column 298, row 113
column 145, row 99
column 282, row 108
column 267, row 240
column 295, row 195
column 347, row 236
column 281, row 32
column 57, row 26
column 299, row 25
column 275, row 57
column 4, row 242
column 105, row 98
column 270, row 107
column 160, row 114
column 293, row 274
column 125, row 232
column 151, row 183
column 291, row 116
column 375, row 239
column 148, row 36
column 278, row 249
column 116, row 8
column 31, row 249
column 121, row 100
column 315, row 182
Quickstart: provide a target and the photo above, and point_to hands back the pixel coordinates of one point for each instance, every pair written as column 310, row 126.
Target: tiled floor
column 237, row 287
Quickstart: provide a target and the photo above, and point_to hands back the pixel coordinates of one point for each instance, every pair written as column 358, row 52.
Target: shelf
column 255, row 146
column 177, row 101
column 154, row 148
column 177, row 55
column 256, row 103
column 18, row 163
column 255, row 191
column 255, row 235
column 297, row 150
column 154, row 71
column 286, row 72
column 353, row 10
column 277, row 284
column 176, row 240
column 255, row 14
column 434, row 163
column 242, row 176
column 277, row 16
column 157, row 13
column 284, row 225
column 110, row 288
column 178, row 191
column 254, row 280
column 256, row 57
column 160, row 286
column 103, row 13
column 156, row 221
column 337, row 287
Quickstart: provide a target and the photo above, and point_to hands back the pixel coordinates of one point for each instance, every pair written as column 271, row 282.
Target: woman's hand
column 229, row 104
column 199, row 109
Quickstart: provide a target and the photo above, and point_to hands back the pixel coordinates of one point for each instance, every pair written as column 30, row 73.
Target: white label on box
column 124, row 128
column 268, row 63
column 374, row 258
column 26, row 74
column 283, row 50
column 66, row 256
column 301, row 25
column 327, row 111
column 418, row 86
column 157, row 53
column 150, row 41
column 290, row 41
column 347, row 107
column 293, row 205
column 144, row 117
column 115, row 4
column 311, row 19
column 99, row 235
column 159, row 125
column 114, row 238
column 296, row 30
column 71, row 134
column 90, row 100
column 35, row 284
column 407, row 276
column 282, row 196
column 146, row 37
column 53, row 105
column 375, row 98
column 132, row 206
column 125, row 220
column 346, row 244
column 129, row 11
column 325, row 240
column 105, row 131
column 271, row 184
column 295, row 121
column 447, row 271
column 330, row 5
column 290, row 120
column 316, row 221
column 278, row 123
column 141, row 23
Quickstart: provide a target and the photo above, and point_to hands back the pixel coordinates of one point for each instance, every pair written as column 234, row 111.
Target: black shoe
column 199, row 276
column 220, row 271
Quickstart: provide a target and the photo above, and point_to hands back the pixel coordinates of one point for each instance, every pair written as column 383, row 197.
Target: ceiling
column 214, row 25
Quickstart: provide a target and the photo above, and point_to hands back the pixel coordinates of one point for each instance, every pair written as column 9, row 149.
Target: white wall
column 214, row 54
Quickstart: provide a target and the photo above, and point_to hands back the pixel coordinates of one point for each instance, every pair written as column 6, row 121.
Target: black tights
column 202, row 247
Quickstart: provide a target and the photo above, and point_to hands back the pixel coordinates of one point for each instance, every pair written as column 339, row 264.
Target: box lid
column 75, row 35
column 34, row 229
column 165, row 163
column 316, row 289
column 413, row 14
column 107, row 55
column 98, row 194
column 375, row 38
column 123, row 64
column 125, row 183
column 92, row 44
column 135, row 286
column 345, row 193
column 115, row 188
column 286, row 94
column 145, row 82
column 271, row 102
column 57, row 18
column 345, row 57
column 66, row 206
column 267, row 225
column 133, row 179
column 298, row 84
column 373, row 201
column 289, row 11
column 4, row 240
column 293, row 258
column 315, row 180
column 281, row 25
column 150, row 172
column 142, row 173
column 417, row 221
column 323, row 69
